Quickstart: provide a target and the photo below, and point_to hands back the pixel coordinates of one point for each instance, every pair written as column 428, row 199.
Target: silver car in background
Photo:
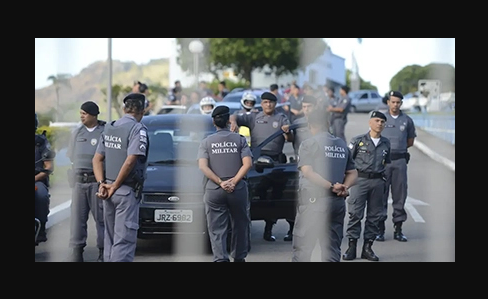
column 364, row 100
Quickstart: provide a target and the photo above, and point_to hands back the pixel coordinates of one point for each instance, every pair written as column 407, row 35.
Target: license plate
column 180, row 216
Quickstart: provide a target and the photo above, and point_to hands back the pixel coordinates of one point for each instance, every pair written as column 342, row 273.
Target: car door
column 273, row 186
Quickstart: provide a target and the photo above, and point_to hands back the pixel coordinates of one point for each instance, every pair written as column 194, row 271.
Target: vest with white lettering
column 85, row 145
column 116, row 140
column 224, row 148
column 330, row 161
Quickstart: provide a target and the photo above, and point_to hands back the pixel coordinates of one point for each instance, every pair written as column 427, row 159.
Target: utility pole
column 109, row 87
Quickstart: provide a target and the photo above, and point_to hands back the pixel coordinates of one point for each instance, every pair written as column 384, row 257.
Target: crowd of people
column 109, row 164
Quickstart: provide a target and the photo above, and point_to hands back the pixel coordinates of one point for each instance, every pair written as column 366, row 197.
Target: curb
column 435, row 156
column 62, row 211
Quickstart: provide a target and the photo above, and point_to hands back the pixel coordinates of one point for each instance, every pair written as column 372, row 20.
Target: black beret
column 269, row 96
column 309, row 99
column 396, row 94
column 378, row 115
column 90, row 108
column 136, row 96
column 220, row 110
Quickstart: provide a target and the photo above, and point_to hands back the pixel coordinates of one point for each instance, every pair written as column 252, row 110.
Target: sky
column 378, row 59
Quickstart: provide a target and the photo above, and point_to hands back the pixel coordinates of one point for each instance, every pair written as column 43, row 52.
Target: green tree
column 406, row 80
column 58, row 81
column 118, row 91
column 244, row 55
column 362, row 84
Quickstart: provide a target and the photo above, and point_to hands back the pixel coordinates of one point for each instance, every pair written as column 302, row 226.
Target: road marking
column 409, row 206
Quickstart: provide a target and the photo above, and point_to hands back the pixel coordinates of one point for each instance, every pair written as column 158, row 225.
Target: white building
column 328, row 68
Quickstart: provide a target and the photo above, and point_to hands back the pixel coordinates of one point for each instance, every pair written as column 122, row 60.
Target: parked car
column 172, row 197
column 172, row 109
column 364, row 100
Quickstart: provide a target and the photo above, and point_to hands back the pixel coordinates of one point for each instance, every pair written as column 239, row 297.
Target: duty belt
column 370, row 175
column 85, row 177
column 398, row 156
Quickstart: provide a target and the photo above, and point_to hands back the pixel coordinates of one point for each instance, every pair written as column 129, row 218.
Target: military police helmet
column 207, row 101
column 248, row 96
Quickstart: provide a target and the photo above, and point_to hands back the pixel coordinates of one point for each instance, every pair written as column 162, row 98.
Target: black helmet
column 37, row 122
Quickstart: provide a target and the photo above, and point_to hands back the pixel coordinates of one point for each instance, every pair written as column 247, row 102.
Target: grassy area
column 59, row 174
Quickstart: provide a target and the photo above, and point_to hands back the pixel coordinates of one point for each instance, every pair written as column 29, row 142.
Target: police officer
column 400, row 129
column 371, row 153
column 327, row 171
column 339, row 108
column 225, row 158
column 262, row 125
column 43, row 166
column 123, row 146
column 81, row 150
column 309, row 103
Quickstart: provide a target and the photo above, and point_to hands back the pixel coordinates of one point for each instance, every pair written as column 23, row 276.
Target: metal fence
column 442, row 126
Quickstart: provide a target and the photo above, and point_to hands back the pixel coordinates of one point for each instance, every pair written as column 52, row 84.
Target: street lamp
column 195, row 47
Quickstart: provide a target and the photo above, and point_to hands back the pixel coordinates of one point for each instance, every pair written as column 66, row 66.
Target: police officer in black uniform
column 225, row 158
column 44, row 166
column 263, row 124
column 124, row 147
column 327, row 171
column 400, row 129
column 371, row 153
column 81, row 150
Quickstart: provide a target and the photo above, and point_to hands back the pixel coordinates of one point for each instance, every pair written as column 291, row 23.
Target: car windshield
column 173, row 144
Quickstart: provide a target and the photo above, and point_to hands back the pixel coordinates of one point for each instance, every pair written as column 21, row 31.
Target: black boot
column 268, row 233
column 42, row 236
column 100, row 255
column 381, row 236
column 368, row 251
column 350, row 253
column 239, row 260
column 289, row 235
column 76, row 255
column 398, row 235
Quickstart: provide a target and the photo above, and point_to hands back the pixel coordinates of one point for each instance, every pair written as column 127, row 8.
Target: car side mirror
column 263, row 162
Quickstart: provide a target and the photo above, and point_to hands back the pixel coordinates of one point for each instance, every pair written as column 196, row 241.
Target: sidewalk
column 436, row 148
column 444, row 153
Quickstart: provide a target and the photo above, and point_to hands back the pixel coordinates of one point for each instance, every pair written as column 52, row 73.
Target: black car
column 172, row 200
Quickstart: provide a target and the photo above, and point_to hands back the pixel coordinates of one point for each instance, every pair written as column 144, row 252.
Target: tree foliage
column 362, row 84
column 406, row 80
column 244, row 55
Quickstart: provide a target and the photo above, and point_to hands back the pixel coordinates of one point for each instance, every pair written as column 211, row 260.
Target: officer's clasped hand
column 228, row 185
column 102, row 192
column 340, row 190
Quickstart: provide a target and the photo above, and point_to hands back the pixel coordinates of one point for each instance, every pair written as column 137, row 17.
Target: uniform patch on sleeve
column 351, row 146
column 143, row 133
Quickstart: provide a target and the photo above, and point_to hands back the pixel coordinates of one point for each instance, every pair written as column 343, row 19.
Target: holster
column 407, row 157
